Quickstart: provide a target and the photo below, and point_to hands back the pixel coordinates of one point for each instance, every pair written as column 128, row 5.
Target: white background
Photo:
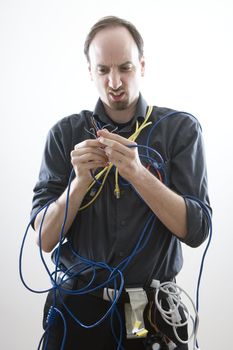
column 189, row 56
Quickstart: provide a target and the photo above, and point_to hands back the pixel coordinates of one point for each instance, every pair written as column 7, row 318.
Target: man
column 125, row 204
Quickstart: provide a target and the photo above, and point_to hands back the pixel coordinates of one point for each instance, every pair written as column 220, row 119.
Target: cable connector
column 155, row 284
column 117, row 192
column 175, row 315
column 51, row 316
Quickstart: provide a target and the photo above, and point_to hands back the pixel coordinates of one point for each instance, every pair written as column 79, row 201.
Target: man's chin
column 119, row 106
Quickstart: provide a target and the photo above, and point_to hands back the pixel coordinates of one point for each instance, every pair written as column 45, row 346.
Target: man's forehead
column 113, row 60
column 116, row 32
column 113, row 46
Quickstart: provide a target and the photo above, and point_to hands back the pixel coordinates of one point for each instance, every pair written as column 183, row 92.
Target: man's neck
column 121, row 116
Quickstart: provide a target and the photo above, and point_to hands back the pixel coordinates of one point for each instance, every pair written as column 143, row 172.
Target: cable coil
column 172, row 316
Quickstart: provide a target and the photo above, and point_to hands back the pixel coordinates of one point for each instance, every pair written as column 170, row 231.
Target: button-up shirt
column 109, row 229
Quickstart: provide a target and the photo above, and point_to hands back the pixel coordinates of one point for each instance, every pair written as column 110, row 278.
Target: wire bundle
column 178, row 314
column 154, row 161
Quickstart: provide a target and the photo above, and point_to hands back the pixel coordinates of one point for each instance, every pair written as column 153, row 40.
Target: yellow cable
column 109, row 167
column 117, row 188
column 132, row 138
column 99, row 190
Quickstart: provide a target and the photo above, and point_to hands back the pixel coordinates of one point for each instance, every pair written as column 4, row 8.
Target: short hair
column 113, row 21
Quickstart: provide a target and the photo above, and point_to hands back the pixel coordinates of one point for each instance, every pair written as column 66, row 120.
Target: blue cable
column 22, row 249
column 113, row 272
column 137, row 249
column 53, row 311
column 105, row 265
column 118, row 339
column 56, row 286
column 40, row 244
column 148, row 148
column 41, row 339
column 113, row 303
column 203, row 206
column 209, row 220
column 168, row 115
column 62, row 235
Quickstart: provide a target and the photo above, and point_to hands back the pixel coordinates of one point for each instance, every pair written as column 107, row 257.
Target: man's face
column 115, row 68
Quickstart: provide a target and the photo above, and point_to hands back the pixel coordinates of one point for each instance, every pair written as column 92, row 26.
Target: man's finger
column 105, row 136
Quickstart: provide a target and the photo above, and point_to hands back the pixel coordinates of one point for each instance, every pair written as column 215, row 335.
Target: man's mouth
column 116, row 95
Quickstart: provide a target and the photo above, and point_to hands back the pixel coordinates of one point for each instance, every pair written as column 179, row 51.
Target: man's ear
column 142, row 63
column 90, row 71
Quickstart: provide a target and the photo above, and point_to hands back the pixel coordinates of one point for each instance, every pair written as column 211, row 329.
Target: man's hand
column 121, row 153
column 86, row 156
column 168, row 206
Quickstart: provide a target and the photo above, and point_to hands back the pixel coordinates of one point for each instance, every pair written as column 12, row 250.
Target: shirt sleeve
column 189, row 178
column 55, row 167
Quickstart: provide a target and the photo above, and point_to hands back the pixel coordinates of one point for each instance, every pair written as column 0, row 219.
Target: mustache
column 116, row 90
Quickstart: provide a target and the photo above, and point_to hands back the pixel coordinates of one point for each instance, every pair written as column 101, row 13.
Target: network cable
column 154, row 162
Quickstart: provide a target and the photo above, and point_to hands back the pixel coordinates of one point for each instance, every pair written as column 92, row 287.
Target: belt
column 105, row 293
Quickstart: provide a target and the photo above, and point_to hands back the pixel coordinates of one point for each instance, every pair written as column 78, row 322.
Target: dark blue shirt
column 109, row 229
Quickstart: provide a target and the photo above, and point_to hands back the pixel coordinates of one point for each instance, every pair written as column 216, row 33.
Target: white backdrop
column 188, row 49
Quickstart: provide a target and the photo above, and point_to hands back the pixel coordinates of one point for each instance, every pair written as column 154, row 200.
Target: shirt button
column 123, row 222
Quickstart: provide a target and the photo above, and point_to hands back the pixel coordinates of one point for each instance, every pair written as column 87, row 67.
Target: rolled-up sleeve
column 197, row 223
column 54, row 171
column 189, row 178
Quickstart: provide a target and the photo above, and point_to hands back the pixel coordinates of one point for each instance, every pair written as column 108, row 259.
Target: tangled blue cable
column 79, row 267
column 83, row 264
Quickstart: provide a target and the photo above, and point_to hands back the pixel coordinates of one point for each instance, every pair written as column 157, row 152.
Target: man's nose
column 114, row 80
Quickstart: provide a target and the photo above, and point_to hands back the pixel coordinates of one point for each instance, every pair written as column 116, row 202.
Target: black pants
column 88, row 309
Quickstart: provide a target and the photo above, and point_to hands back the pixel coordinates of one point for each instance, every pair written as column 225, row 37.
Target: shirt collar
column 100, row 114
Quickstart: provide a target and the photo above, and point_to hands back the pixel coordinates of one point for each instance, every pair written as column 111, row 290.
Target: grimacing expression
column 115, row 67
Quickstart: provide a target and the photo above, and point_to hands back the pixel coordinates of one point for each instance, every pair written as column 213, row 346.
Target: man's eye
column 102, row 70
column 126, row 68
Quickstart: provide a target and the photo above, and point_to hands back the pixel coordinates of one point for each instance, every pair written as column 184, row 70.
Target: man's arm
column 168, row 206
column 86, row 156
column 54, row 218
